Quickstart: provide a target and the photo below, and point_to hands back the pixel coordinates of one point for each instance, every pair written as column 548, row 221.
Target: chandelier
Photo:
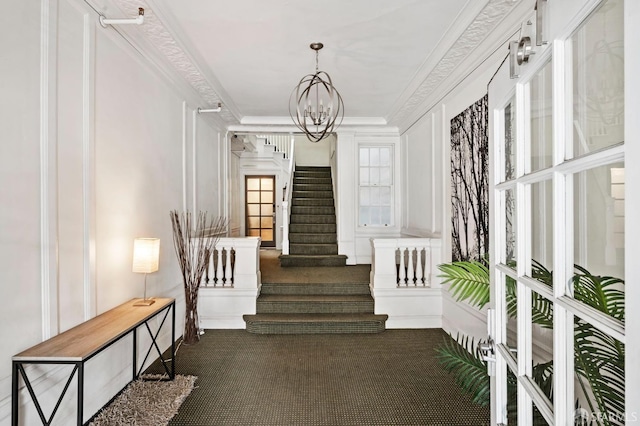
column 315, row 105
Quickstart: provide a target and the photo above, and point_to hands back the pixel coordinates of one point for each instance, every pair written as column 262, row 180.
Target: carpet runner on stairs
column 315, row 308
column 312, row 228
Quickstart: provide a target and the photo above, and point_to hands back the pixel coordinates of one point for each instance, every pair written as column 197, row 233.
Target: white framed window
column 375, row 192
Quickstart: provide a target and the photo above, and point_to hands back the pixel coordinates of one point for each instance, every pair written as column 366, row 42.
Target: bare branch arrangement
column 193, row 243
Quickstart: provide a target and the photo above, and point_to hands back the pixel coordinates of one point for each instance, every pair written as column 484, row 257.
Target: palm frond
column 462, row 358
column 606, row 294
column 469, row 281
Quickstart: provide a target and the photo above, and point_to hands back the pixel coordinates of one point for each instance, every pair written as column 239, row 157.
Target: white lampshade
column 146, row 254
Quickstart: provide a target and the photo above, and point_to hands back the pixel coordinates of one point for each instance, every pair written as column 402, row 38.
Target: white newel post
column 401, row 288
column 222, row 304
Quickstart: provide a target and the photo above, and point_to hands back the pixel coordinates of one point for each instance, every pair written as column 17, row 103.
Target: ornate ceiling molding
column 485, row 22
column 155, row 31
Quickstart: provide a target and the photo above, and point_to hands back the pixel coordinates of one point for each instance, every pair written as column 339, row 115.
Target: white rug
column 146, row 403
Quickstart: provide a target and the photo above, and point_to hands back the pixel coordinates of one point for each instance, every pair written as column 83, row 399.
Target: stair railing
column 287, row 193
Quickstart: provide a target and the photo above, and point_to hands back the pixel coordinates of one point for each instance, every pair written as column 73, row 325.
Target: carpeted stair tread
column 313, row 210
column 315, row 323
column 315, row 298
column 302, row 238
column 313, row 249
column 310, row 202
column 325, row 288
column 313, row 218
column 313, row 260
column 312, row 228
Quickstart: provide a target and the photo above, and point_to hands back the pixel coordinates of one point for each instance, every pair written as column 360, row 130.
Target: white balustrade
column 404, row 283
column 404, row 262
column 233, row 262
column 233, row 283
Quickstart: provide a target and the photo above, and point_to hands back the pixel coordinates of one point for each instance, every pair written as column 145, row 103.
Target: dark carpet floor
column 391, row 378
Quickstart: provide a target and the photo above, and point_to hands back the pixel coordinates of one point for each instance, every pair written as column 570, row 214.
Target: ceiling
column 249, row 54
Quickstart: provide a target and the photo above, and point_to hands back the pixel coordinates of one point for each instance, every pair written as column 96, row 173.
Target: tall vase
column 193, row 245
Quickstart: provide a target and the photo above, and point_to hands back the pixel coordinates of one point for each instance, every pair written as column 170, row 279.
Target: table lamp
column 146, row 252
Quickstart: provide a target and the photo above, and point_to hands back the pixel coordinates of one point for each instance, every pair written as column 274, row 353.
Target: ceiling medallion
column 315, row 105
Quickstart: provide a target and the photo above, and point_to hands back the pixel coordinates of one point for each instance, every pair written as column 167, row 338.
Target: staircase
column 312, row 229
column 315, row 308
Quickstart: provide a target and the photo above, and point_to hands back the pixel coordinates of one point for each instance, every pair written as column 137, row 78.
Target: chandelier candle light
column 146, row 253
column 315, row 105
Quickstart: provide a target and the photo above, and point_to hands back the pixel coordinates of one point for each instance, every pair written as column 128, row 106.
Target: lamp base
column 144, row 302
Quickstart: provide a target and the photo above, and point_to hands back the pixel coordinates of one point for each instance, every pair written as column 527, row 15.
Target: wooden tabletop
column 84, row 340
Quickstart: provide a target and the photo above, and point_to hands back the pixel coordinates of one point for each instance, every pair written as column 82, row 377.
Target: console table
column 81, row 343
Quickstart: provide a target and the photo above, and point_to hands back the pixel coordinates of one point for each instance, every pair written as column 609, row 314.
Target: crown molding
column 154, row 35
column 489, row 29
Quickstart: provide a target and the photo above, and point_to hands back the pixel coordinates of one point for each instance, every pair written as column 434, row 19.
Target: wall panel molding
column 88, row 170
column 48, row 169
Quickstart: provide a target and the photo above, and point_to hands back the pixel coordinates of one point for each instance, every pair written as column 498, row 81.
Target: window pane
column 542, row 229
column 385, row 176
column 598, row 80
column 375, row 196
column 385, row 196
column 510, row 228
column 599, row 239
column 374, row 175
column 253, row 184
column 375, row 215
column 253, row 197
column 511, row 299
column 374, row 156
column 599, row 226
column 542, row 347
column 385, row 156
column 510, row 140
column 364, row 156
column 254, row 222
column 541, row 118
column 266, row 197
column 253, row 210
column 253, row 233
column 266, row 222
column 267, row 184
column 267, row 234
column 364, row 176
column 600, row 372
column 266, row 209
column 364, row 215
column 385, row 215
column 364, row 196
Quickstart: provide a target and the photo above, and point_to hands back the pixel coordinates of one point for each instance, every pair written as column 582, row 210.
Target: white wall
column 426, row 176
column 313, row 153
column 97, row 148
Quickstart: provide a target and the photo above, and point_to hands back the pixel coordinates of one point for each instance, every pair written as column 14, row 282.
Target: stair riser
column 305, row 174
column 322, row 289
column 312, row 238
column 311, row 181
column 314, row 210
column 313, row 168
column 321, row 261
column 315, row 328
column 305, row 228
column 313, row 218
column 312, row 202
column 313, row 194
column 313, row 249
column 314, row 308
column 311, row 187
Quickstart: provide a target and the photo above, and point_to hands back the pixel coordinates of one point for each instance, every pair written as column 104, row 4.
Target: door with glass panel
column 557, row 211
column 261, row 209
